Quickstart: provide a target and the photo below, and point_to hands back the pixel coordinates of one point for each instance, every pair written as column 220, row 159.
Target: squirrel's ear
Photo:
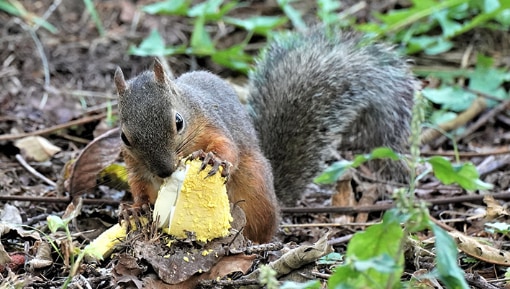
column 159, row 71
column 120, row 82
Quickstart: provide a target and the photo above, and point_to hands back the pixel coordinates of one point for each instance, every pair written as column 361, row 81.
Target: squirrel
column 307, row 91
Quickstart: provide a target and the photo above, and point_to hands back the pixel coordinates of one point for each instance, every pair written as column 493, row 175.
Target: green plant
column 95, row 16
column 367, row 263
column 415, row 27
column 56, row 223
column 370, row 264
column 15, row 8
column 201, row 43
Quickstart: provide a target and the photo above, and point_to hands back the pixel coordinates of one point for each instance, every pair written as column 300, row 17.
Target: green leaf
column 261, row 25
column 9, row 8
column 490, row 5
column 419, row 43
column 388, row 233
column 448, row 26
column 333, row 172
column 377, row 153
column 95, row 16
column 448, row 76
column 504, row 18
column 441, row 116
column 369, row 263
column 170, row 7
column 330, row 259
column 17, row 9
column 399, row 19
column 327, row 10
column 446, row 255
column 483, row 18
column 382, row 264
column 383, row 153
column 293, row 14
column 234, row 58
column 450, row 97
column 153, row 45
column 440, row 46
column 201, row 43
column 499, row 227
column 312, row 284
column 55, row 223
column 487, row 79
column 211, row 10
column 465, row 175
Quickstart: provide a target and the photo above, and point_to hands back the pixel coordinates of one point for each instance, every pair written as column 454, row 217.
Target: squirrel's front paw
column 211, row 159
column 133, row 212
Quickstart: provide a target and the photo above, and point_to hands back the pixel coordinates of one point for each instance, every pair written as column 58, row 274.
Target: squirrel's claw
column 134, row 212
column 211, row 159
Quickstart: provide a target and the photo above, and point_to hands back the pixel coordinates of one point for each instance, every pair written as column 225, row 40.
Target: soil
column 59, row 86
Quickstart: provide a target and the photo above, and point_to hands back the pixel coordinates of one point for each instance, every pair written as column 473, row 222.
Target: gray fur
column 311, row 90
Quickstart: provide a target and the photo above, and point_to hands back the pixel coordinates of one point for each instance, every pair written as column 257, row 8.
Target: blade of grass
column 93, row 12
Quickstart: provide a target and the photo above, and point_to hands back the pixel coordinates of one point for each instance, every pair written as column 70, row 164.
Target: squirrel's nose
column 164, row 173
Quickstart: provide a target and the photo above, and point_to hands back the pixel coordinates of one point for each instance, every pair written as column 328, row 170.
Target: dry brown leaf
column 298, row 257
column 230, row 264
column 474, row 248
column 126, row 265
column 369, row 197
column 42, row 257
column 423, row 279
column 227, row 265
column 4, row 256
column 97, row 155
column 494, row 209
column 180, row 265
column 343, row 197
column 36, row 148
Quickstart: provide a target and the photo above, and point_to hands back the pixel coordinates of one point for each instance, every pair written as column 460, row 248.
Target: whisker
column 189, row 139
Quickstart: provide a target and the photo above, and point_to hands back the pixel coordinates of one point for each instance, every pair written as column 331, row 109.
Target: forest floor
column 59, row 86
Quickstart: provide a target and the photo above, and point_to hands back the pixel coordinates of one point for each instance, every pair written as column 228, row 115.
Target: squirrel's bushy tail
column 313, row 89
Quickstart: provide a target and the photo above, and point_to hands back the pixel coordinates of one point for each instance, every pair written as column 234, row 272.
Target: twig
column 377, row 208
column 321, row 275
column 499, row 151
column 485, row 118
column 481, row 121
column 478, row 281
column 352, row 10
column 475, row 109
column 34, row 172
column 47, row 14
column 326, row 225
column 442, row 225
column 340, row 240
column 340, row 210
column 66, row 200
column 48, row 130
column 42, row 55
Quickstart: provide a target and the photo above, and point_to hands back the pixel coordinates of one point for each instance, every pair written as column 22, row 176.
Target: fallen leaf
column 343, row 197
column 476, row 249
column 42, row 257
column 230, row 264
column 97, row 155
column 36, row 148
column 11, row 215
column 494, row 209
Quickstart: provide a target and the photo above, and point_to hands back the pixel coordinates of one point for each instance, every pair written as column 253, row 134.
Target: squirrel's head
column 150, row 124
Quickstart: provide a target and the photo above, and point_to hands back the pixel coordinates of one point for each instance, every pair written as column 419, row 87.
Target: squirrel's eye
column 179, row 122
column 124, row 139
